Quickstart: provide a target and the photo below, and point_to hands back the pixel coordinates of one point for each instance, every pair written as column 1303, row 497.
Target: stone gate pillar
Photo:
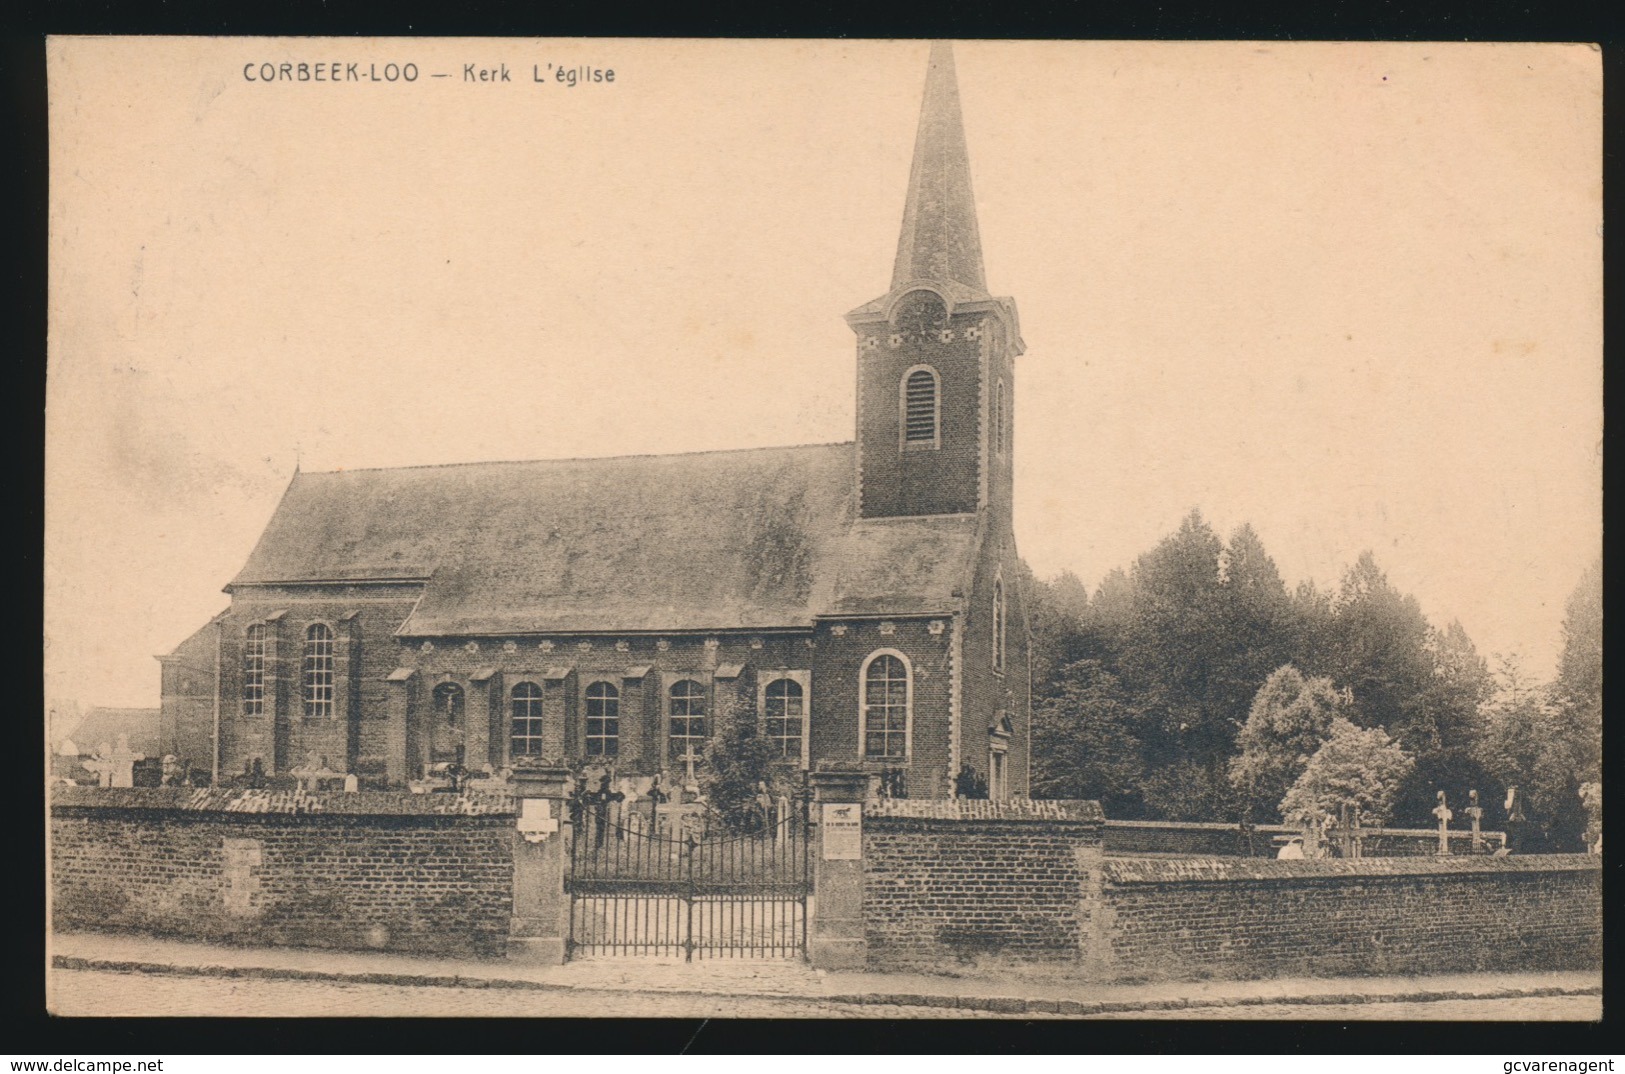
column 835, row 937
column 541, row 909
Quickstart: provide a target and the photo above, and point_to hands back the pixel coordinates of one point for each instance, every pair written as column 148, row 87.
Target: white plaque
column 843, row 831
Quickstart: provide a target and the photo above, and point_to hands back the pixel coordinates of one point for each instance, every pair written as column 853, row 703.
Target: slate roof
column 709, row 541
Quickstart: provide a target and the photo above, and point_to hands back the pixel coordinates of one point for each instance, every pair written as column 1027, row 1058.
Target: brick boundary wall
column 1183, row 919
column 1134, row 837
column 370, row 870
column 950, row 882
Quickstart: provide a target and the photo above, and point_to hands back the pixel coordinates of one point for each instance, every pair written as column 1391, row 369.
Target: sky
column 1350, row 294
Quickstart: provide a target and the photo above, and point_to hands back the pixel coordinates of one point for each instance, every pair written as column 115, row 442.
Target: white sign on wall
column 843, row 831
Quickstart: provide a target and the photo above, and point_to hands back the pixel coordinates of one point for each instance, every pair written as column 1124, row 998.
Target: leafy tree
column 1446, row 723
column 1171, row 643
column 1082, row 744
column 736, row 762
column 1289, row 720
column 1362, row 767
column 1255, row 616
column 1312, row 629
column 1192, row 790
column 1379, row 649
column 1578, row 691
column 1579, row 670
column 1055, row 613
column 1528, row 739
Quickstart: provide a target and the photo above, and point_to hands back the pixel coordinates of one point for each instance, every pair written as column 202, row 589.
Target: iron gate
column 643, row 889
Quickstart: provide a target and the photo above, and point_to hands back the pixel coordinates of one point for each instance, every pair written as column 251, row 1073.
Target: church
column 859, row 601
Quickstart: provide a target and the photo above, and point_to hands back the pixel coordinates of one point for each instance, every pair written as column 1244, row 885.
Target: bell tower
column 936, row 352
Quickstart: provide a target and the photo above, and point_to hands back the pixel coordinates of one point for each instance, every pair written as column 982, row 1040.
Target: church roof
column 710, row 541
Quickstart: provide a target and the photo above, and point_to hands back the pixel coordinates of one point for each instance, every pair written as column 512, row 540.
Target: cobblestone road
column 75, row 992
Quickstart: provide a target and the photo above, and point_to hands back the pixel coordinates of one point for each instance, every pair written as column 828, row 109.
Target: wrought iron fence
column 693, row 890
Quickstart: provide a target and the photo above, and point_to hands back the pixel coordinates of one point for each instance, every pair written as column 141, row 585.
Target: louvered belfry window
column 920, row 408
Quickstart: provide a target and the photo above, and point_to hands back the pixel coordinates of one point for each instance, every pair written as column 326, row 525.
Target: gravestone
column 115, row 767
column 1475, row 813
column 1442, row 811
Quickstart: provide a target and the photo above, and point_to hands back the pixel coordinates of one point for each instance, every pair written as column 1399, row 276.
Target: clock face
column 922, row 319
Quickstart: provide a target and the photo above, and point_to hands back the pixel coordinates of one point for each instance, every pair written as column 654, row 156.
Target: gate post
column 836, row 940
column 541, row 910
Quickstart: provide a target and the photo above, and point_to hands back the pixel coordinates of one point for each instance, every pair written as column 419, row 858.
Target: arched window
column 921, row 408
column 254, row 671
column 525, row 733
column 603, row 720
column 687, row 719
column 448, row 703
column 783, row 711
column 318, row 671
column 998, row 417
column 998, row 624
column 886, row 703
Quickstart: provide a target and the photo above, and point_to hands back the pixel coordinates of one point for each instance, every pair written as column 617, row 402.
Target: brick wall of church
column 186, row 710
column 568, row 665
column 988, row 691
column 370, row 735
column 836, row 694
column 365, row 653
column 928, row 482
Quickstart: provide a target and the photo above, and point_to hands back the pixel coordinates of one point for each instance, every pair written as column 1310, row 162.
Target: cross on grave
column 781, row 811
column 1475, row 813
column 689, row 758
column 1442, row 811
column 115, row 767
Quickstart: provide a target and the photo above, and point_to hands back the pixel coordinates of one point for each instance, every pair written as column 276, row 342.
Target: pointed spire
column 940, row 240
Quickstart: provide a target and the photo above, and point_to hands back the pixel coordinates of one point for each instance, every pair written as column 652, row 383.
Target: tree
column 1055, row 613
column 1445, row 726
column 1579, row 670
column 1082, row 744
column 1529, row 739
column 1255, row 616
column 1379, row 648
column 736, row 762
column 1361, row 767
column 1172, row 637
column 1289, row 720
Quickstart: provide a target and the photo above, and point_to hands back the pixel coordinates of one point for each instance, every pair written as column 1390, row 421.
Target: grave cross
column 689, row 758
column 116, row 766
column 1442, row 811
column 1476, row 813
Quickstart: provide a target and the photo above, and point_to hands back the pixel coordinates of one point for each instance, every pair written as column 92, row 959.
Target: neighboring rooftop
column 102, row 726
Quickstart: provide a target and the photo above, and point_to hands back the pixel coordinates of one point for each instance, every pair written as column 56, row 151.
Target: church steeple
column 935, row 351
column 939, row 240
